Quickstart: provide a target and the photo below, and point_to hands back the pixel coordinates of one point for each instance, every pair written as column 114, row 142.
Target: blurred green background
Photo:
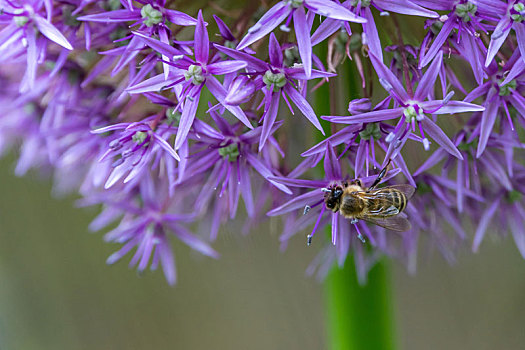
column 56, row 291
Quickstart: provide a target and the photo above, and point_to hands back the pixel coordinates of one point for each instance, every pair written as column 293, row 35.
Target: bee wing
column 406, row 189
column 394, row 223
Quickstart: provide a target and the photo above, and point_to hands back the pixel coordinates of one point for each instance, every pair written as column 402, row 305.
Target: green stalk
column 358, row 317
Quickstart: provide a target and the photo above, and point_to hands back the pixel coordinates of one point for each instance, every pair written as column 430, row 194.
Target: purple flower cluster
column 167, row 119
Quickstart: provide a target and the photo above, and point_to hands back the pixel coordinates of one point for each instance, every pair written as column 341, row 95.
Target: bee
column 382, row 207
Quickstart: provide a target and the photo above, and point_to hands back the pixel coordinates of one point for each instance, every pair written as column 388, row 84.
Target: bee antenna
column 308, row 240
column 326, row 190
column 306, row 209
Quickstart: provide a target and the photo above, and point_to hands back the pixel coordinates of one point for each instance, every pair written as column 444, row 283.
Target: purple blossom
column 370, row 33
column 25, row 21
column 295, row 9
column 176, row 130
column 148, row 227
column 135, row 147
column 191, row 76
column 412, row 109
column 276, row 80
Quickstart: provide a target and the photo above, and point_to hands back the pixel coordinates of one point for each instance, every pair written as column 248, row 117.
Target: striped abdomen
column 384, row 202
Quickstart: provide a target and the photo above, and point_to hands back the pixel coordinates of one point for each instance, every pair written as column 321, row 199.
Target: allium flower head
column 177, row 128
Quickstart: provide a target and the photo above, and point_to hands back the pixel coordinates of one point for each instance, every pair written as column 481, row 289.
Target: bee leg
column 359, row 235
column 380, row 177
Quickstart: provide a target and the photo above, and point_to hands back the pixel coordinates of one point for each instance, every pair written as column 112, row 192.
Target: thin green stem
column 358, row 317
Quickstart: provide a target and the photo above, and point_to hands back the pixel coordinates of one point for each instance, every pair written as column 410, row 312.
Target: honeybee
column 382, row 207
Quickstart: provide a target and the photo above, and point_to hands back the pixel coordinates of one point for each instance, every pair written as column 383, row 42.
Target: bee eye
column 329, row 205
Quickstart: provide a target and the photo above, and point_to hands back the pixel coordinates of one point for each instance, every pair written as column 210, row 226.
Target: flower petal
column 488, row 118
column 220, row 93
column 372, row 36
column 451, row 107
column 253, row 62
column 438, row 42
column 486, row 217
column 186, row 119
column 385, row 73
column 406, row 8
column 201, row 41
column 165, row 146
column 275, row 52
column 265, row 172
column 153, row 84
column 112, row 16
column 193, row 241
column 299, row 182
column 328, row 27
column 180, row 18
column 303, row 106
column 51, row 32
column 333, row 10
column 225, row 67
column 269, row 119
column 271, row 19
column 440, row 137
column 302, row 33
column 368, row 117
column 498, row 37
column 427, row 82
column 298, row 202
column 157, row 45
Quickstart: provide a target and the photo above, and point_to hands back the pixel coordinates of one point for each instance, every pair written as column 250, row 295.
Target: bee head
column 332, row 198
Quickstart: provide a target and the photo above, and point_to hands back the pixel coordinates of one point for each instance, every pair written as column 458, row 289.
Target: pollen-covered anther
column 284, row 28
column 411, row 114
column 426, row 144
column 20, row 20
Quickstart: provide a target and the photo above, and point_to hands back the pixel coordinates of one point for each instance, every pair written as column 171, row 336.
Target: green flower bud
column 506, row 89
column 194, row 73
column 278, row 80
column 371, row 130
column 172, row 116
column 230, row 152
column 139, row 137
column 465, row 11
column 150, row 15
column 296, row 3
column 514, row 196
column 364, row 3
